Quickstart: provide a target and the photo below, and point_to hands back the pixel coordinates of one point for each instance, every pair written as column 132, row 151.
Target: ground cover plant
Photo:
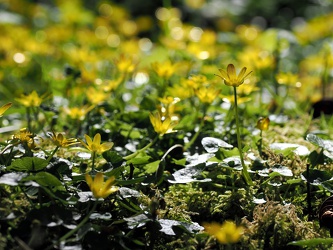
column 188, row 127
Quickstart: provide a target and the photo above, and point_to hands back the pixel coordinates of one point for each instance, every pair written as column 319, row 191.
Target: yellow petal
column 98, row 181
column 89, row 180
column 241, row 74
column 105, row 146
column 231, row 71
column 4, row 108
column 224, row 74
column 88, row 140
column 97, row 139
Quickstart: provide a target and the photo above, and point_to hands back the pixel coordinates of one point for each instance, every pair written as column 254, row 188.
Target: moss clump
column 191, row 203
column 274, row 226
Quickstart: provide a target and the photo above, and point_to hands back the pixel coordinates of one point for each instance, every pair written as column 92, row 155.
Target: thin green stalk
column 245, row 172
column 131, row 156
column 93, row 161
column 52, row 154
column 260, row 144
column 29, row 119
column 84, row 221
column 194, row 138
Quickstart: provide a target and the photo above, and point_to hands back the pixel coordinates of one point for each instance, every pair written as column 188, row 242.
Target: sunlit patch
column 101, row 32
column 129, row 28
column 174, row 22
column 105, row 9
column 162, row 14
column 203, row 55
column 41, row 36
column 113, row 40
column 251, row 33
column 145, row 44
column 19, row 58
column 141, row 78
column 298, row 84
column 98, row 81
column 177, row 33
column 195, row 34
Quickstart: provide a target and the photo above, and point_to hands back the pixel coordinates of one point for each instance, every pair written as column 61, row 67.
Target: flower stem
column 52, row 154
column 131, row 156
column 195, row 136
column 93, row 161
column 245, row 172
column 74, row 230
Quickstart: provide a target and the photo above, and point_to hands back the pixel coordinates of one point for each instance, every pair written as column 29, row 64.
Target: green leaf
column 114, row 158
column 151, row 167
column 315, row 140
column 290, row 148
column 312, row 242
column 169, row 227
column 325, row 144
column 139, row 160
column 28, row 164
column 225, row 153
column 189, row 174
column 212, row 144
column 316, row 177
column 45, row 179
column 131, row 181
column 12, row 179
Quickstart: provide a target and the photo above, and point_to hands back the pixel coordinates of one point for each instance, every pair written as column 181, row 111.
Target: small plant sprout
column 262, row 125
column 230, row 78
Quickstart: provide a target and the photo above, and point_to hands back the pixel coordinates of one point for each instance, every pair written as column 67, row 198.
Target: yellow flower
column 95, row 145
column 165, row 69
column 25, row 137
column 207, row 94
column 77, row 113
column 226, row 233
column 31, row 100
column 99, row 187
column 4, row 108
column 263, row 123
column 195, row 81
column 96, row 96
column 110, row 85
column 162, row 125
column 230, row 77
column 287, row 78
column 125, row 64
column 61, row 141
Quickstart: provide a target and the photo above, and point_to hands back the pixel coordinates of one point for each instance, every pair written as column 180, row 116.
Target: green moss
column 275, row 225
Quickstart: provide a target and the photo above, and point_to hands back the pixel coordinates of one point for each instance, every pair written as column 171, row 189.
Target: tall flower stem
column 84, row 221
column 52, row 154
column 245, row 172
column 131, row 156
column 195, row 136
column 93, row 161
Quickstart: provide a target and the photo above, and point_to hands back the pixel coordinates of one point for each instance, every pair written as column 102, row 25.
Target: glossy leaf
column 212, row 144
column 169, row 226
column 312, row 242
column 12, row 179
column 28, row 164
column 316, row 177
